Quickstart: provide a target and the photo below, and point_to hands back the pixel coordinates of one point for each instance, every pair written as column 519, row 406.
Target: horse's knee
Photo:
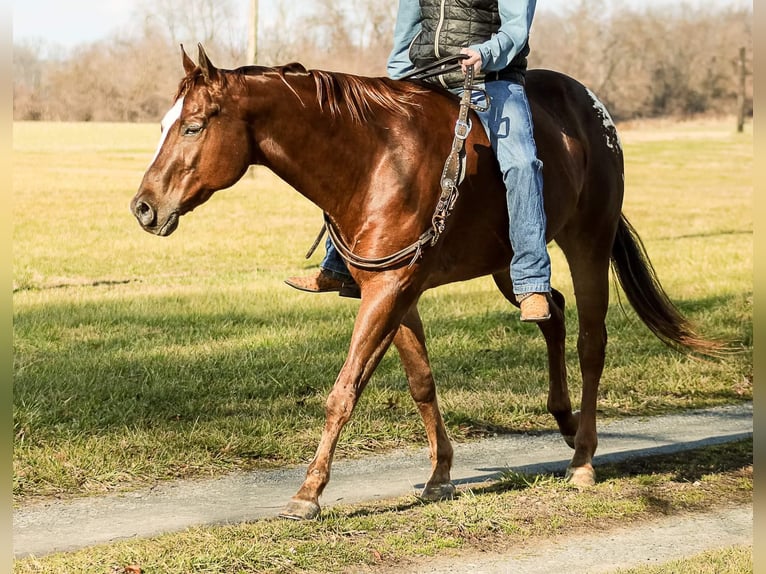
column 340, row 404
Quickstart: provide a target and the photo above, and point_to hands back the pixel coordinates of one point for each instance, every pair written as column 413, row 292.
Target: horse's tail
column 638, row 279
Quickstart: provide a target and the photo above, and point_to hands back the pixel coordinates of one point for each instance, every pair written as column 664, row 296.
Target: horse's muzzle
column 145, row 213
column 148, row 218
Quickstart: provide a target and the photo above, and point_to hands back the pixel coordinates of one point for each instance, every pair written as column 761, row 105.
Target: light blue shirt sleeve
column 407, row 27
column 515, row 23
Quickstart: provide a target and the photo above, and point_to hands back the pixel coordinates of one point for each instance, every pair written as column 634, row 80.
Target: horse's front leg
column 410, row 342
column 380, row 313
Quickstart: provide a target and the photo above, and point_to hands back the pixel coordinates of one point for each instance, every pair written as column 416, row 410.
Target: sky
column 68, row 23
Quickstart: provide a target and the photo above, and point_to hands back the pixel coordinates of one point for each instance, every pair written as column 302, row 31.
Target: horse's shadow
column 688, row 463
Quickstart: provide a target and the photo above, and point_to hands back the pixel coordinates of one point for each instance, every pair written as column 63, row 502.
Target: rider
column 493, row 34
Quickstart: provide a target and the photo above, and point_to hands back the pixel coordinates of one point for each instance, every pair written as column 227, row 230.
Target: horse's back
column 581, row 183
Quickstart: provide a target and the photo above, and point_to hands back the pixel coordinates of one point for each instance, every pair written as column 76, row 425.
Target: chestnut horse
column 369, row 152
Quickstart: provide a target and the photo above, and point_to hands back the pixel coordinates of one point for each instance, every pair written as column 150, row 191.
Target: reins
column 452, row 175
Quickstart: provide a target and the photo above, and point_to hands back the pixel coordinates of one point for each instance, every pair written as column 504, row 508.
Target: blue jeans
column 508, row 123
column 333, row 262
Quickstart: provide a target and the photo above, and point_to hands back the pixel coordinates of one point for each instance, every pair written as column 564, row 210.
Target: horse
column 369, row 152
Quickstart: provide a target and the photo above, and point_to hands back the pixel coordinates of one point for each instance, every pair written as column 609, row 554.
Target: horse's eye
column 192, row 129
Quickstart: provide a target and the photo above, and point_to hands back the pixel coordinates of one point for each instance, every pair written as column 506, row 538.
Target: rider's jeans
column 508, row 123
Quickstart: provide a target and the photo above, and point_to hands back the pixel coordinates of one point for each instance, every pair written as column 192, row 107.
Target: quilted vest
column 449, row 25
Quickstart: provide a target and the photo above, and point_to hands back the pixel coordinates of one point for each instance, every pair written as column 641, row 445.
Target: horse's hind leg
column 590, row 276
column 410, row 342
column 554, row 331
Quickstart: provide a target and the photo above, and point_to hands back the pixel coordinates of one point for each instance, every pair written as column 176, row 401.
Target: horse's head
column 204, row 147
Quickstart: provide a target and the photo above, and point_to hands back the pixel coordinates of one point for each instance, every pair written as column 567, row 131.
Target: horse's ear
column 189, row 65
column 209, row 71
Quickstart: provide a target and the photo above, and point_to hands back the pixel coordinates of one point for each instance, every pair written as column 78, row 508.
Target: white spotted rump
column 610, row 130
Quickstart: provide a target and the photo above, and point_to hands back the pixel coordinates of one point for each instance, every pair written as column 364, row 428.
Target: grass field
column 140, row 359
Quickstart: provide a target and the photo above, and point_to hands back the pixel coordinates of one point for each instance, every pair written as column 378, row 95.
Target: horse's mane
column 359, row 95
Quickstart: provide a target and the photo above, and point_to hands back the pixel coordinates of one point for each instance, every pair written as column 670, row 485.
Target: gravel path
column 68, row 525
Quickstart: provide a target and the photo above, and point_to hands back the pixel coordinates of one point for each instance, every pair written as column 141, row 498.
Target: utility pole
column 252, row 33
column 741, row 90
column 252, row 49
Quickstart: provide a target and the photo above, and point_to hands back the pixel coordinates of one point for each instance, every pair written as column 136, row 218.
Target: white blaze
column 167, row 122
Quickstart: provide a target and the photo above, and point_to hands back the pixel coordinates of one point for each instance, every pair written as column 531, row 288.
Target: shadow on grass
column 155, row 361
column 686, row 467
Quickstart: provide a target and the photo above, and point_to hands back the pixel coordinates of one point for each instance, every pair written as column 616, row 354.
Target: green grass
column 140, row 358
column 395, row 535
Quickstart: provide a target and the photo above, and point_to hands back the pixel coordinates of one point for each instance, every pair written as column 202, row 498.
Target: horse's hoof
column 300, row 510
column 435, row 492
column 581, row 476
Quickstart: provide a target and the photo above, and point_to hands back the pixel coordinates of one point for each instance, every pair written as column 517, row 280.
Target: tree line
column 673, row 60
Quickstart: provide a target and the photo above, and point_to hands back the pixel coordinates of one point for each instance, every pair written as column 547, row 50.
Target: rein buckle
column 463, row 128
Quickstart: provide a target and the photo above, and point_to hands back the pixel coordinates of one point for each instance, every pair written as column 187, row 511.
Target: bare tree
column 339, row 35
column 648, row 62
column 28, row 71
column 641, row 62
column 214, row 23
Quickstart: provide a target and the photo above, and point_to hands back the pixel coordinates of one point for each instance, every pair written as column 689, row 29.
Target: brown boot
column 325, row 282
column 534, row 308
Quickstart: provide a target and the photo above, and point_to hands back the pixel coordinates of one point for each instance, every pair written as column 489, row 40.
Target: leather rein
column 452, row 175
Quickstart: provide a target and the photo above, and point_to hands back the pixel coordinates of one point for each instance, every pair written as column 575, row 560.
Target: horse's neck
column 307, row 146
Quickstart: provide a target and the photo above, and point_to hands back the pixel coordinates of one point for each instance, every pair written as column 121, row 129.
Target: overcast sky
column 71, row 22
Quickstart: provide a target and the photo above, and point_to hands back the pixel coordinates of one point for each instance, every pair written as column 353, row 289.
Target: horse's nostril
column 144, row 213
